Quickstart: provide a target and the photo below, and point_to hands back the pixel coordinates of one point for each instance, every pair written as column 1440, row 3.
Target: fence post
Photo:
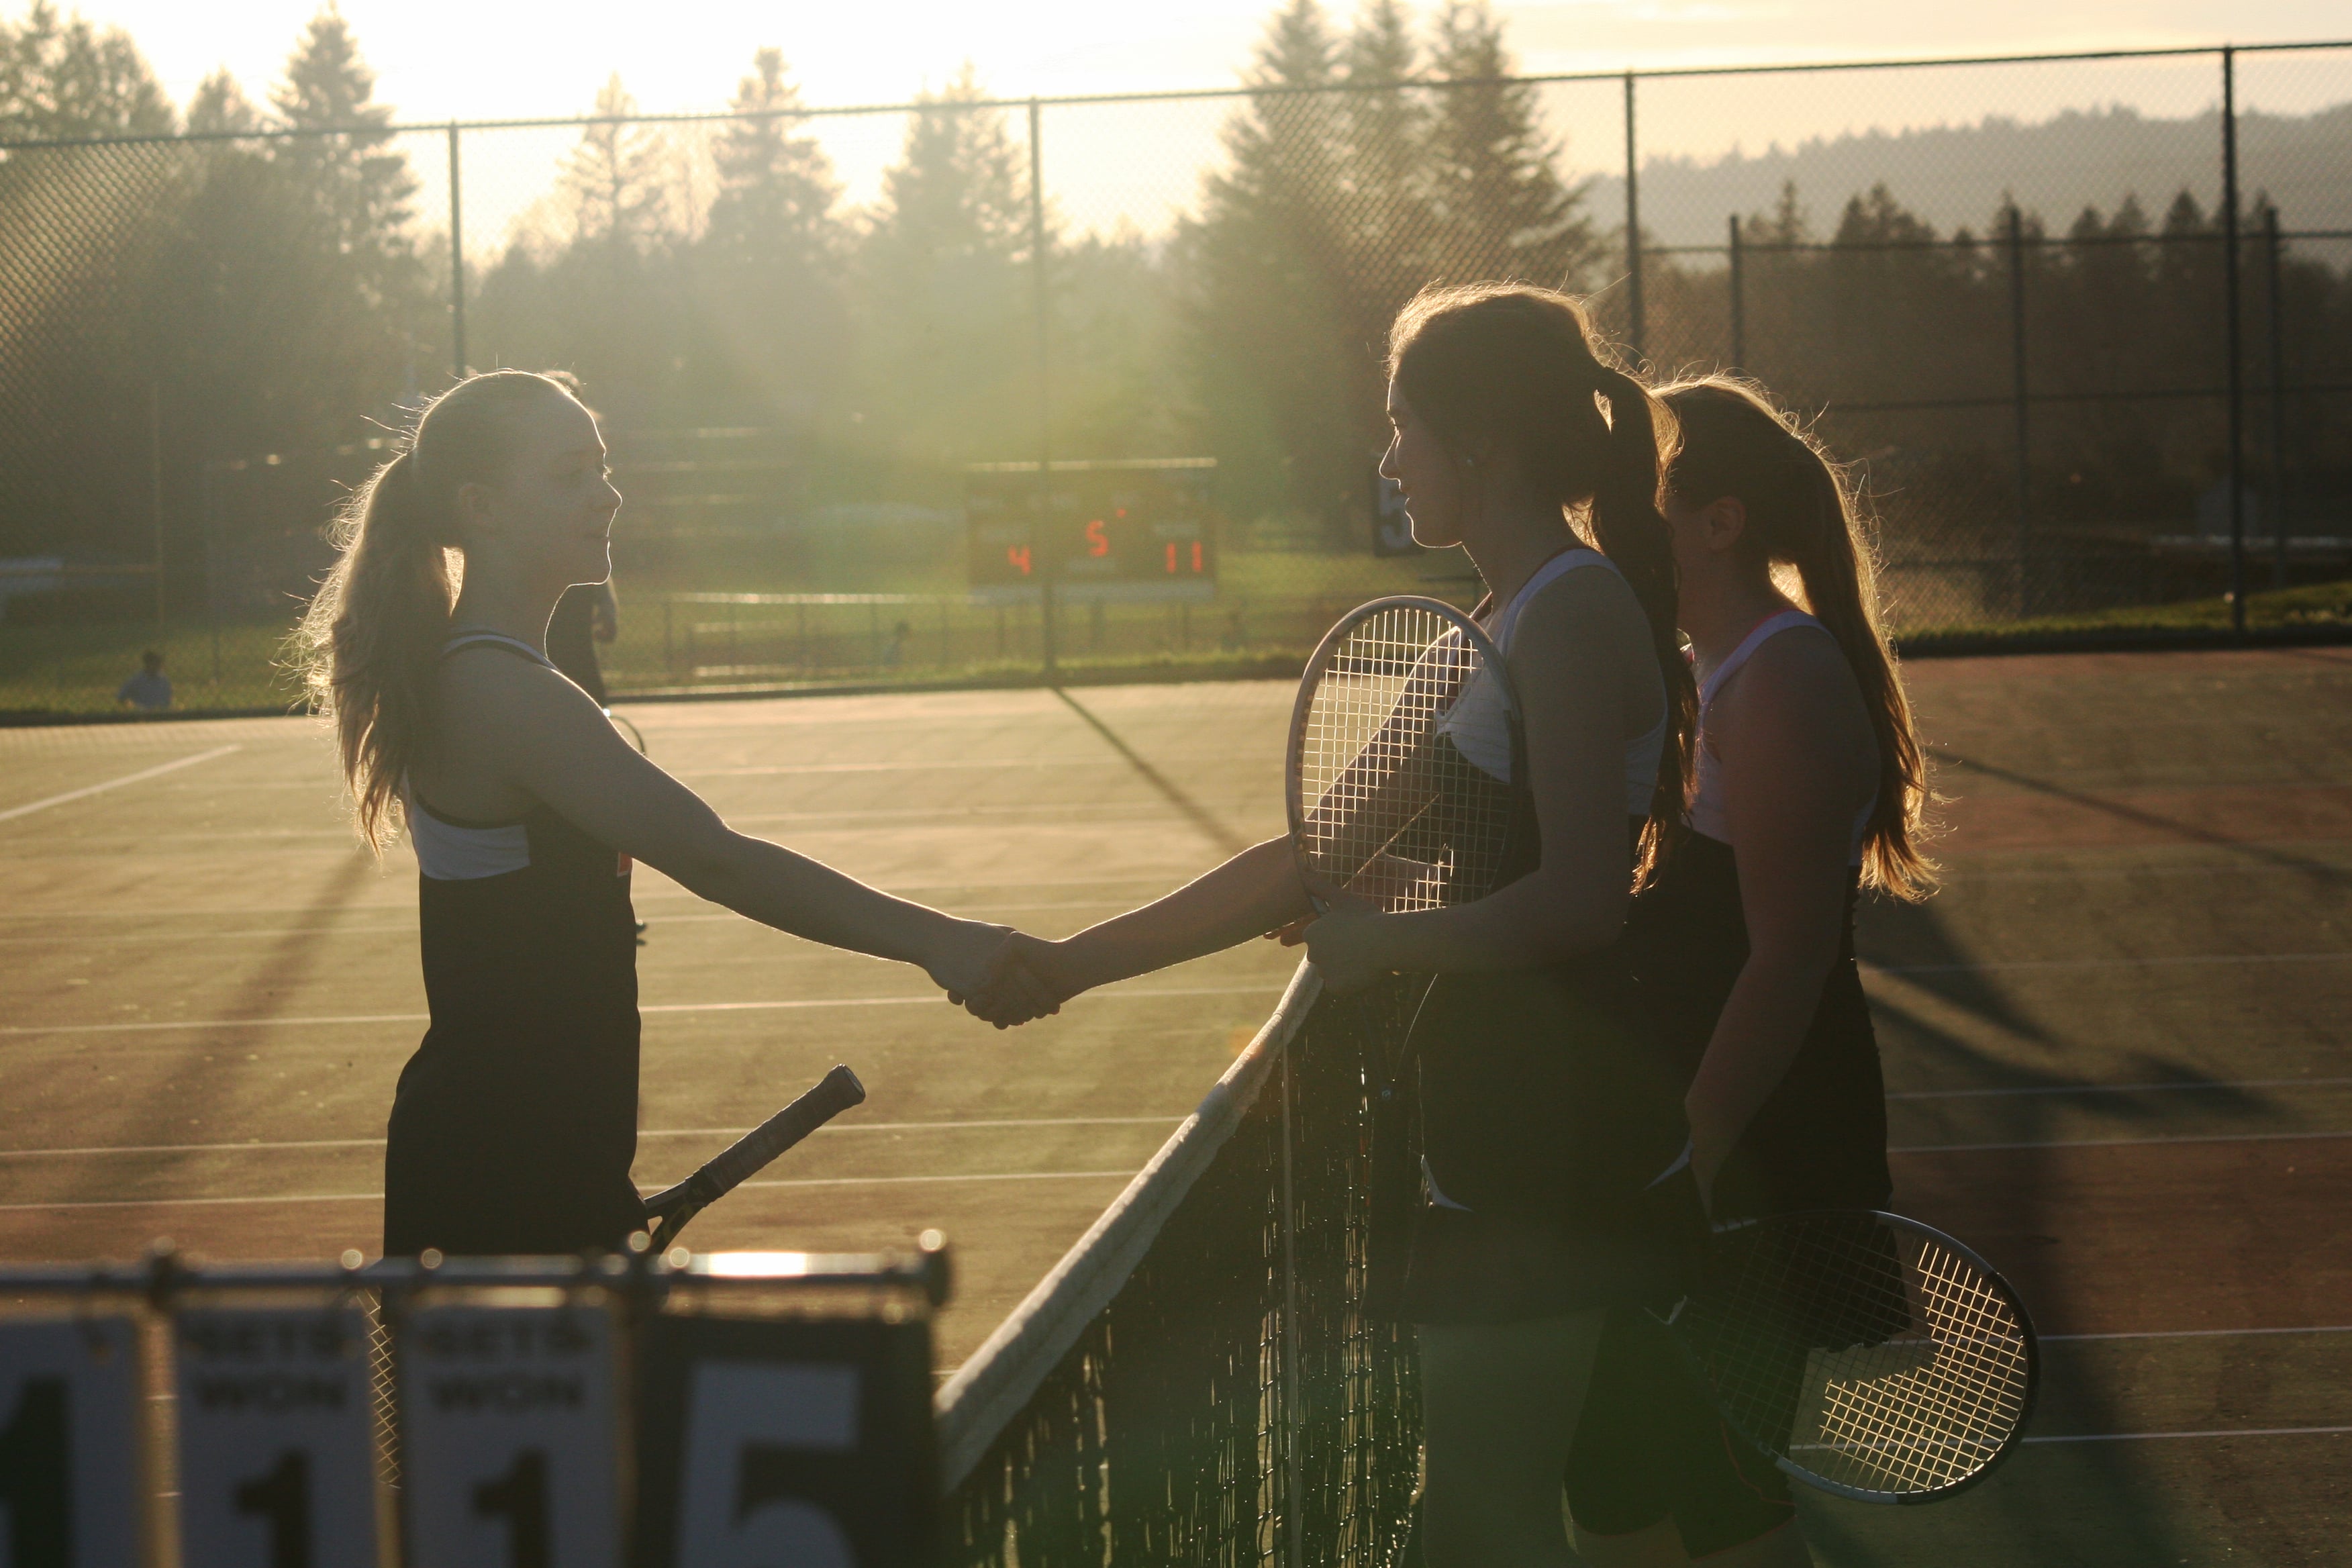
column 1041, row 519
column 457, row 262
column 155, row 490
column 1737, row 285
column 1634, row 324
column 2018, row 397
column 2278, row 397
column 211, row 568
column 2231, row 331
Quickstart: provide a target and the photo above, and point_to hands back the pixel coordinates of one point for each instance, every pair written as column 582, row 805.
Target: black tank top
column 515, row 1123
column 1820, row 1141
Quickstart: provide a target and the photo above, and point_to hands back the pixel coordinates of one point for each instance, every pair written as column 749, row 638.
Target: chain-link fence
column 974, row 390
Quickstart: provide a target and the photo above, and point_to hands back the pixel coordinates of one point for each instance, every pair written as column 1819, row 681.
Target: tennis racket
column 672, row 1208
column 1868, row 1355
column 1403, row 748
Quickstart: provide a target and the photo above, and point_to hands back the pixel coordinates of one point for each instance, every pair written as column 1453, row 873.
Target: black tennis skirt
column 1547, row 1117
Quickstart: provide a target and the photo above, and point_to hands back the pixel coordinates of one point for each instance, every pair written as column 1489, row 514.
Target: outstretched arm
column 1255, row 892
column 554, row 745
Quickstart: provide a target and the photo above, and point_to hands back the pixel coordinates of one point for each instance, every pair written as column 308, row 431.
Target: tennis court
column 2114, row 1041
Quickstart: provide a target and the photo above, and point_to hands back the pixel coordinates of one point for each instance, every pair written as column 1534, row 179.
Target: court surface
column 2115, row 1042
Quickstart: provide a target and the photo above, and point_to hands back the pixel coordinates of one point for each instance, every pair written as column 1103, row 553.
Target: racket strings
column 1398, row 813
column 1872, row 1358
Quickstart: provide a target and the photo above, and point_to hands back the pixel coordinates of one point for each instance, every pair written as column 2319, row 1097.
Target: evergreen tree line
column 239, row 294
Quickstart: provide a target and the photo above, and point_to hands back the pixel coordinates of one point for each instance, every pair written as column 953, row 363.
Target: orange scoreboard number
column 1141, row 528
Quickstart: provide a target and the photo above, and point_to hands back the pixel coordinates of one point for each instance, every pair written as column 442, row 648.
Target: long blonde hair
column 367, row 645
column 1803, row 511
column 1521, row 367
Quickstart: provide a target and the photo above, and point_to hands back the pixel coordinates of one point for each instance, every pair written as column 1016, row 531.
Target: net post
column 1293, row 1485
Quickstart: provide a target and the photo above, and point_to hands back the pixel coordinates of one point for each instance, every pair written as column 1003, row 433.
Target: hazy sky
column 443, row 58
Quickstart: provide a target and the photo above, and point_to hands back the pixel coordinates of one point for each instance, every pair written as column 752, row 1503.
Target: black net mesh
column 1235, row 1402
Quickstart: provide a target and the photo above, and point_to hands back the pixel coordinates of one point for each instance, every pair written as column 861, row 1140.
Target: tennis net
column 1198, row 1380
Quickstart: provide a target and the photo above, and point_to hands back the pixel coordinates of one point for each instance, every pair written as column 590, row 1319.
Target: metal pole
column 1041, row 519
column 1634, row 324
column 1293, row 1462
column 457, row 262
column 2278, row 399
column 212, row 572
column 155, row 487
column 2018, row 397
column 2230, row 330
column 1737, row 286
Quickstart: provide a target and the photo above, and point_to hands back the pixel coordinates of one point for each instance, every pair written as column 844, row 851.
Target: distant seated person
column 585, row 616
column 147, row 690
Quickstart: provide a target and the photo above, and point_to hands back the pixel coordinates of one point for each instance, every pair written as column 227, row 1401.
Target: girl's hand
column 1027, row 978
column 1345, row 945
column 961, row 955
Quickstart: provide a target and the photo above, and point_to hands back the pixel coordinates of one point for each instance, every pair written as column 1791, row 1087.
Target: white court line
column 2217, row 1087
column 2117, row 1142
column 2218, row 1432
column 2105, row 962
column 2198, row 1333
column 323, row 1020
column 1124, row 1173
column 650, row 1132
column 87, row 790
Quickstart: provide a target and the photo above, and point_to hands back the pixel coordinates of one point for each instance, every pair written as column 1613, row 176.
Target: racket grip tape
column 748, row 1156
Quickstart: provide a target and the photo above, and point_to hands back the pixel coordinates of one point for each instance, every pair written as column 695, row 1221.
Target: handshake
column 1022, row 978
column 1007, row 977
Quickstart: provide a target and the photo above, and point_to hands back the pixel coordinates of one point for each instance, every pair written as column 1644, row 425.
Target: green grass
column 1269, row 612
column 77, row 668
column 2314, row 606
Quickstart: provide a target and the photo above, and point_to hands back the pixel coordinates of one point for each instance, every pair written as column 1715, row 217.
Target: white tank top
column 1706, row 813
column 1475, row 722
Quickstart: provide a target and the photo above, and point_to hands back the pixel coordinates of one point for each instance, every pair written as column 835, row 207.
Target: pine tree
column 776, row 189
column 1385, row 208
column 220, row 107
column 960, row 188
column 361, row 185
column 1280, row 365
column 944, row 293
column 614, row 176
column 1493, row 171
column 61, row 78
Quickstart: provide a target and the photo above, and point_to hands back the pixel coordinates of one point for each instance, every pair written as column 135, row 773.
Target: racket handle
column 836, row 1093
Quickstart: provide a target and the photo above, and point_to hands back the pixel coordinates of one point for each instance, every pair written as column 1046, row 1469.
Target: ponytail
column 1803, row 511
column 368, row 645
column 1518, row 366
column 1629, row 529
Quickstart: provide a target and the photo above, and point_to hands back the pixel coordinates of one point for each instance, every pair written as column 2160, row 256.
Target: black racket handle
column 743, row 1159
column 751, row 1152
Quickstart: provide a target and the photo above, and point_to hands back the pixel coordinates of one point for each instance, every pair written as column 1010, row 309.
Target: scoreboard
column 1137, row 529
